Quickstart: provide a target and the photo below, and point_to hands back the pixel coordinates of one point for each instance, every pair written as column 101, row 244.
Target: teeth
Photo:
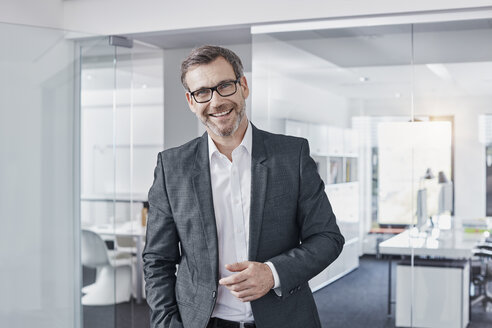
column 221, row 113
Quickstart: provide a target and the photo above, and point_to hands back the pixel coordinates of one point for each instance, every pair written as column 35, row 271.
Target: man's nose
column 216, row 98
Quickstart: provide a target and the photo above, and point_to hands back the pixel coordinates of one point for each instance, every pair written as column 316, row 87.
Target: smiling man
column 241, row 211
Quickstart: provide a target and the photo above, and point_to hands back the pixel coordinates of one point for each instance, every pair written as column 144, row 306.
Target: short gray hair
column 207, row 54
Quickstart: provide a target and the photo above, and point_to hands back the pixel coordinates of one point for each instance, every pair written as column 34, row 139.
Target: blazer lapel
column 203, row 193
column 259, row 173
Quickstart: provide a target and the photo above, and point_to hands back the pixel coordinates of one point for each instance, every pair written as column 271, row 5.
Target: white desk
column 451, row 244
column 127, row 229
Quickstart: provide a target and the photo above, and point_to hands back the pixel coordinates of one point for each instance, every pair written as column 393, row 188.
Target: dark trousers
column 221, row 323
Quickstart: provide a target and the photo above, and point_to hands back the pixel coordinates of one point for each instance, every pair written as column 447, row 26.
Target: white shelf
column 335, row 151
column 347, row 262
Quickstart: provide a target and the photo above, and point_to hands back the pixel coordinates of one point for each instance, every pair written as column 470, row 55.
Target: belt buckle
column 241, row 324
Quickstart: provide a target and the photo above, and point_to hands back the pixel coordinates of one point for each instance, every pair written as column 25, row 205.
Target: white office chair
column 113, row 278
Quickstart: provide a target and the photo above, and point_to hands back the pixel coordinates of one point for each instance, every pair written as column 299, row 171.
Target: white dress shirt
column 231, row 191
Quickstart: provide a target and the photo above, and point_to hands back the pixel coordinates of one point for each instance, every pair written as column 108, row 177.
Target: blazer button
column 298, row 287
column 213, row 294
column 291, row 291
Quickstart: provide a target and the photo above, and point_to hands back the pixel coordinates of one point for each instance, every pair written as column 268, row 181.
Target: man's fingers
column 249, row 298
column 233, row 279
column 238, row 266
column 245, row 294
column 239, row 286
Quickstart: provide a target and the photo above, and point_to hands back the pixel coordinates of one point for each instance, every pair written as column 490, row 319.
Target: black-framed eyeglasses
column 224, row 89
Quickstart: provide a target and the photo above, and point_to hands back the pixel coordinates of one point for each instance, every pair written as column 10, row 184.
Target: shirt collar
column 247, row 142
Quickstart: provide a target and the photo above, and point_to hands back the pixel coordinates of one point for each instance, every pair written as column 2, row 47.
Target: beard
column 229, row 128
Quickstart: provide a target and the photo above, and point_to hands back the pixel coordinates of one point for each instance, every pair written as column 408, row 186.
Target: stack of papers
column 477, row 225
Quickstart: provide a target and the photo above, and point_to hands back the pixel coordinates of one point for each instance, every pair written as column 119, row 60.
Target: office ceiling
column 195, row 37
column 385, row 62
column 450, row 59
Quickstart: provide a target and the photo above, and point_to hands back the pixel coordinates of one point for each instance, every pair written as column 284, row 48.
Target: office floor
column 357, row 300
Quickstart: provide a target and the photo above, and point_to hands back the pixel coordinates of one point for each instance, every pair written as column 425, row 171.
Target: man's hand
column 252, row 280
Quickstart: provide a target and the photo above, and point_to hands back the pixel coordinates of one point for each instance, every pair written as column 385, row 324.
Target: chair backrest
column 125, row 241
column 93, row 249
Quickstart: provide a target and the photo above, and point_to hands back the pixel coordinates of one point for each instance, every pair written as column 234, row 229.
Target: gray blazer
column 291, row 224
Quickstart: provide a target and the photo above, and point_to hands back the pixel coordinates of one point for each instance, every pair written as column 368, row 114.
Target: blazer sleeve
column 161, row 255
column 321, row 240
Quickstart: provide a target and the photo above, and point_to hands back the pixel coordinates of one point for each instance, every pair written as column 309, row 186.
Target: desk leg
column 389, row 285
column 139, row 277
column 470, row 282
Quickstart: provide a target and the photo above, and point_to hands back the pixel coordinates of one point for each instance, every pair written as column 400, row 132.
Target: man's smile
column 223, row 113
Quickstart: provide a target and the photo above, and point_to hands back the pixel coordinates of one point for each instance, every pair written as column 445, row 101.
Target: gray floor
column 357, row 300
column 360, row 299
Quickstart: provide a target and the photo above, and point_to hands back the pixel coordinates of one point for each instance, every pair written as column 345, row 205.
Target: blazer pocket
column 185, row 292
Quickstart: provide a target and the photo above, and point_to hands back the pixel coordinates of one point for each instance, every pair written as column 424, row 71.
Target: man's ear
column 244, row 87
column 190, row 101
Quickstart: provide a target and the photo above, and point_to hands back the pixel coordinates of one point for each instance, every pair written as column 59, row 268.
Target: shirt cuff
column 276, row 279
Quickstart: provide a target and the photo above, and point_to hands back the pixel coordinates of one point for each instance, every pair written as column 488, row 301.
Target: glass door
column 100, row 270
column 122, row 132
column 138, row 138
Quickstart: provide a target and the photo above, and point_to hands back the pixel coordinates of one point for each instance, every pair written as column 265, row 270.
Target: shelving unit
column 335, row 151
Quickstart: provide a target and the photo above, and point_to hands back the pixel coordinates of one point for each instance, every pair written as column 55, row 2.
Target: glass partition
column 452, row 87
column 392, row 117
column 38, row 179
column 336, row 87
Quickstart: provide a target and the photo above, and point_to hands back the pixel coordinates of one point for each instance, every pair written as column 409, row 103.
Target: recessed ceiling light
column 89, row 77
column 144, row 86
column 363, row 79
column 397, row 95
column 441, row 71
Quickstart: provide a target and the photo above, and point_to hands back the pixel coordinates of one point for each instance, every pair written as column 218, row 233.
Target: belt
column 221, row 323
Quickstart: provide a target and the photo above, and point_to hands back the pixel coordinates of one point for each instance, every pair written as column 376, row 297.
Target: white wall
column 129, row 16
column 43, row 13
column 469, row 156
column 180, row 124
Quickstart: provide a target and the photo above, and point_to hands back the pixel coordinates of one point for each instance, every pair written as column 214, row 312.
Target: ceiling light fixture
column 441, row 71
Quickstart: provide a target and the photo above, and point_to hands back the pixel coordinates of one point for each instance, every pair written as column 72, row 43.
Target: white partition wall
column 38, row 178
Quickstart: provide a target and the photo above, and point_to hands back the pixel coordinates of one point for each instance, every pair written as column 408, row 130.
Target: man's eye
column 201, row 93
column 225, row 85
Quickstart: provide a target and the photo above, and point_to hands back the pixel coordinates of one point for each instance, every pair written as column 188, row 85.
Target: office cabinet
column 335, row 140
column 318, row 139
column 335, row 151
column 296, row 128
column 440, row 294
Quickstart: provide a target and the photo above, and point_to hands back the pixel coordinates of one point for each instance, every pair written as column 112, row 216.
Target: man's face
column 221, row 115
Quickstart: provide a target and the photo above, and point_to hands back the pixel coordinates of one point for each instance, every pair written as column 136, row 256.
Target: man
column 242, row 211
